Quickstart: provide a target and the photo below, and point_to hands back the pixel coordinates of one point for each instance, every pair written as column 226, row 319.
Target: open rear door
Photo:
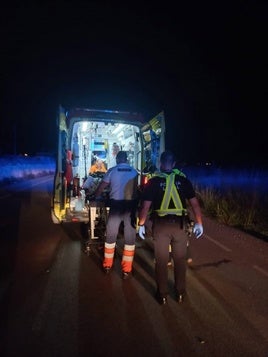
column 60, row 182
column 153, row 135
column 153, row 144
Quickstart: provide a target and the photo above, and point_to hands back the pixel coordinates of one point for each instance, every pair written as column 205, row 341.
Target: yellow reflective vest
column 171, row 193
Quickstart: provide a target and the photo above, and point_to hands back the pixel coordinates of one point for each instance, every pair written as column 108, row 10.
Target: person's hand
column 198, row 230
column 141, row 232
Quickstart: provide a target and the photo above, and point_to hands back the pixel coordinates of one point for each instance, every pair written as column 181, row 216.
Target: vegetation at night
column 248, row 212
column 235, row 197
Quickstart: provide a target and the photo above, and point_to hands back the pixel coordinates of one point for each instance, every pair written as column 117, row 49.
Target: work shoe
column 126, row 275
column 162, row 300
column 180, row 297
column 107, row 270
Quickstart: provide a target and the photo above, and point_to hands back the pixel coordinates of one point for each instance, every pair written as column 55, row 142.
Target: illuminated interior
column 94, row 140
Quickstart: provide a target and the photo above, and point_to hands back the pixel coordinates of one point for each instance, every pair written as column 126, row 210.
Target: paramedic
column 122, row 182
column 166, row 195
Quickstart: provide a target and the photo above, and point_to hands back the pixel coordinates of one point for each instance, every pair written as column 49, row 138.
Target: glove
column 142, row 232
column 198, row 230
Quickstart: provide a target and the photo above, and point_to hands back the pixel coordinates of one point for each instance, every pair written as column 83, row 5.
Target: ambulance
column 87, row 135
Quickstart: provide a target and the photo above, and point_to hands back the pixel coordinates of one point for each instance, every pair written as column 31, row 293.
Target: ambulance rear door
column 60, row 183
column 153, row 139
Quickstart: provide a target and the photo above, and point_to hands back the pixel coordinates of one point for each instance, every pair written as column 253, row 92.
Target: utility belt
column 123, row 205
column 170, row 218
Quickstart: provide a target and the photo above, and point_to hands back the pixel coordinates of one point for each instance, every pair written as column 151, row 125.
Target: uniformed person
column 122, row 181
column 166, row 195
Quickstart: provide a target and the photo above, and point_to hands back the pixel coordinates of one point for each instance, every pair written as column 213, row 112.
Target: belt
column 170, row 218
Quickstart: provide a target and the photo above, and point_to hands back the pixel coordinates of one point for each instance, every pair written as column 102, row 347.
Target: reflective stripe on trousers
column 109, row 249
column 127, row 258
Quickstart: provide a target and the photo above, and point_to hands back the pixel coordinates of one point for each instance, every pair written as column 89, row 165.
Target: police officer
column 122, row 182
column 166, row 195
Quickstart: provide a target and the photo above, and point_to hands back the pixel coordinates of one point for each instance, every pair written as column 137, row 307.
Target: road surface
column 56, row 301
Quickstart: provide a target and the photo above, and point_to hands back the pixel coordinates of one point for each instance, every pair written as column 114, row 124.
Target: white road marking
column 218, row 244
column 256, row 267
column 264, row 272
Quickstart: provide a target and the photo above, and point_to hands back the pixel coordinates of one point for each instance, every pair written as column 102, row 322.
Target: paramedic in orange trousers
column 166, row 195
column 122, row 181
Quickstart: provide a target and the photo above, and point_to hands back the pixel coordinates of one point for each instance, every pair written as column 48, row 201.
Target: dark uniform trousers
column 169, row 230
column 122, row 211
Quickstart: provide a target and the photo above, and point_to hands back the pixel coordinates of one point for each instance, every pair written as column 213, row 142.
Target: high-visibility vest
column 171, row 193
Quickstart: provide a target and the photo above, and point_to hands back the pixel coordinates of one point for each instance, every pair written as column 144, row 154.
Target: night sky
column 203, row 63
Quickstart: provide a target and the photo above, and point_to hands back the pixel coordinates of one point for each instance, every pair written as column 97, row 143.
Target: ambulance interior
column 97, row 140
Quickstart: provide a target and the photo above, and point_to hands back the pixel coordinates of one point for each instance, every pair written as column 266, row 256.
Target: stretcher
column 97, row 218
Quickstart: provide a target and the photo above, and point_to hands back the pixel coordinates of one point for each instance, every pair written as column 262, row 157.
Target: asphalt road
column 56, row 301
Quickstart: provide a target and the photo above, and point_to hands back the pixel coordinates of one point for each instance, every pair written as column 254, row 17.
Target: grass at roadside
column 248, row 212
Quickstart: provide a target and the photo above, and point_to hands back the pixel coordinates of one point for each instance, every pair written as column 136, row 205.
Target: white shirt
column 122, row 180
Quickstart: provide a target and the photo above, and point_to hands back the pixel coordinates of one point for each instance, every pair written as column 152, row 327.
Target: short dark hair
column 121, row 156
column 167, row 157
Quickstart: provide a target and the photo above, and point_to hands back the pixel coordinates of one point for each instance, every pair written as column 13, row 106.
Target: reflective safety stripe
column 178, row 172
column 109, row 245
column 109, row 249
column 171, row 193
column 109, row 255
column 129, row 247
column 127, row 257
